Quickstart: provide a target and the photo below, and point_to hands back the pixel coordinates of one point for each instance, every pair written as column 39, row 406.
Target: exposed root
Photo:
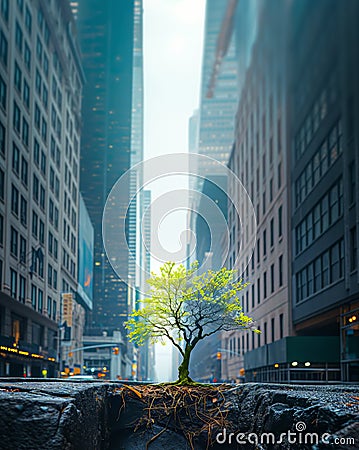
column 195, row 410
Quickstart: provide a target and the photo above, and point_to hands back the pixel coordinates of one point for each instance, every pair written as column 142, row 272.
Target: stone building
column 40, row 83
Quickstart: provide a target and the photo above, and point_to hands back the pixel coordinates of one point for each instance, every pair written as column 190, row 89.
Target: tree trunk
column 183, row 369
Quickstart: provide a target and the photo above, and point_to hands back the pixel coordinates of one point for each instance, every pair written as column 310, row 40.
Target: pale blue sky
column 173, row 38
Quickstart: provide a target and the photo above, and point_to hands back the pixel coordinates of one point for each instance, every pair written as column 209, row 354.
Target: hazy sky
column 173, row 38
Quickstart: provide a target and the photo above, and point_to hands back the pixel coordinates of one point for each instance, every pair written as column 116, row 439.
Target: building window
column 2, row 139
column 15, row 159
column 49, row 274
column 35, row 220
column 272, row 232
column 258, row 251
column 5, row 9
column 25, row 132
column 14, row 200
column 44, row 129
column 17, row 118
column 14, row 237
column 23, row 250
column 18, row 37
column 43, row 163
column 24, row 171
column 17, row 77
column 41, row 232
column 33, row 295
column 35, row 188
column 38, row 82
column 23, row 211
column 22, row 289
column 36, row 152
column 253, row 295
column 280, row 221
column 27, row 57
column 28, row 20
column 37, row 116
column 45, row 96
column 26, row 94
column 54, row 281
column 265, row 333
column 3, row 48
column 13, row 283
column 45, row 65
column 40, row 300
column 49, row 305
column 42, row 197
column 281, row 270
column 259, row 291
column 265, row 284
column 272, row 278
column 39, row 49
column 3, row 95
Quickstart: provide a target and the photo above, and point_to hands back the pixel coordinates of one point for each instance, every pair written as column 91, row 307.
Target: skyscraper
column 106, row 34
column 217, row 111
column 40, row 115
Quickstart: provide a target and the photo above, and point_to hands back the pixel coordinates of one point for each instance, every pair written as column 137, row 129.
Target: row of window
column 239, row 345
column 18, row 292
column 324, row 270
column 52, row 277
column 322, row 216
column 24, row 131
column 320, row 163
column 17, row 286
column 38, row 228
column 20, row 165
column 267, row 282
column 18, row 204
column 53, row 246
column 68, row 263
column 39, row 157
column 316, row 115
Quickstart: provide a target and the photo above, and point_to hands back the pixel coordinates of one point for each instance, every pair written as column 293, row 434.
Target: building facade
column 40, row 117
column 324, row 173
column 296, row 152
column 259, row 159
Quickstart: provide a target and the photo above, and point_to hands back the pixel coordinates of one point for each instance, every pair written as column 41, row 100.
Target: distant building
column 106, row 34
column 259, row 160
column 40, row 118
column 217, row 113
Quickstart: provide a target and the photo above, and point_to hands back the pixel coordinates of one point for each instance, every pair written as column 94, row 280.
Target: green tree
column 186, row 308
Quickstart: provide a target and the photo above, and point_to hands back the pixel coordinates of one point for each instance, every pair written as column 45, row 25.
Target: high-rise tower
column 106, row 33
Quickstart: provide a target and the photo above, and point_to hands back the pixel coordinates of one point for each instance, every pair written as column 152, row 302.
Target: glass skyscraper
column 106, row 34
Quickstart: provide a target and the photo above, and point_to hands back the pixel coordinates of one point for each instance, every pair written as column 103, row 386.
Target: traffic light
column 115, row 350
column 219, row 355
